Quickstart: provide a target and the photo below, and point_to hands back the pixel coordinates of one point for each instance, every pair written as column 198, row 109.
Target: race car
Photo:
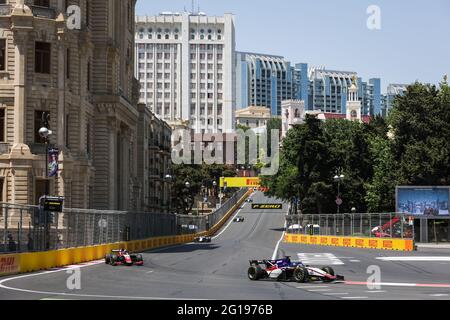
column 203, row 239
column 238, row 219
column 287, row 270
column 123, row 257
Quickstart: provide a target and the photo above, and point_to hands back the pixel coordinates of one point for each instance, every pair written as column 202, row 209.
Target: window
column 2, row 54
column 2, row 125
column 42, row 3
column 42, row 57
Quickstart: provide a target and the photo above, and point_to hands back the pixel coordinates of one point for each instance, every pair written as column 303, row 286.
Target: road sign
column 339, row 201
column 52, row 204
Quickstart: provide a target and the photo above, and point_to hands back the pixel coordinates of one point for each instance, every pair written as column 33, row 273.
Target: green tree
column 421, row 145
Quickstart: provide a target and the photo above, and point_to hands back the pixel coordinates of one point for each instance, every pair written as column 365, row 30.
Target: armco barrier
column 352, row 242
column 29, row 262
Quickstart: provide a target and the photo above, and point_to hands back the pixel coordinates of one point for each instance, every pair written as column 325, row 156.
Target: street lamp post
column 338, row 178
column 45, row 133
column 215, row 193
column 169, row 193
column 187, row 185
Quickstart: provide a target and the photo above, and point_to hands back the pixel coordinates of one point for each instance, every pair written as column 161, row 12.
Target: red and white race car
column 123, row 257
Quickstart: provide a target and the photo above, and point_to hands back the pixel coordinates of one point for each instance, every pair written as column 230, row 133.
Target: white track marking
column 336, row 294
column 379, row 291
column 439, row 295
column 319, row 290
column 275, row 252
column 417, row 259
column 75, row 294
column 393, row 284
column 355, row 298
column 355, row 261
column 319, row 259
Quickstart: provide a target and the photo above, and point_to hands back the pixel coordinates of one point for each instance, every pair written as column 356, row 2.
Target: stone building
column 84, row 79
column 154, row 161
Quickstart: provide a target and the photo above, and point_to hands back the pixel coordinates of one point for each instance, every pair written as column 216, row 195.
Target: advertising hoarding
column 423, row 201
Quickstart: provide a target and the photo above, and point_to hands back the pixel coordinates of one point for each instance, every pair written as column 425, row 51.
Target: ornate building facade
column 83, row 78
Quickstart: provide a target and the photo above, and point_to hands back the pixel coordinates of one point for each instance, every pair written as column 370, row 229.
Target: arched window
column 167, row 37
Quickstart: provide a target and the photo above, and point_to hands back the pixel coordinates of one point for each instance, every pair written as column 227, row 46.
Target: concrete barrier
column 352, row 242
column 36, row 261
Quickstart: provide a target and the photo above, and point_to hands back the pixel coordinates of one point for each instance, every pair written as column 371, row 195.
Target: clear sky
column 413, row 43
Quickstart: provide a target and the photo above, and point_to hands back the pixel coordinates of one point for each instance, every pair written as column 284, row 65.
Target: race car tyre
column 301, row 274
column 254, row 273
column 328, row 270
column 113, row 260
column 107, row 259
column 139, row 258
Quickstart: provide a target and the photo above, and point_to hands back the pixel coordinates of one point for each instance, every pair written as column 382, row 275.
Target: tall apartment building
column 185, row 65
column 370, row 96
column 264, row 80
column 394, row 90
column 84, row 80
column 328, row 92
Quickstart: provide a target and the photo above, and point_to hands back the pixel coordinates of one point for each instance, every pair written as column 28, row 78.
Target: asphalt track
column 219, row 270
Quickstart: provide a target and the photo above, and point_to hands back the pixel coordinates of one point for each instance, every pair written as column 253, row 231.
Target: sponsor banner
column 423, row 201
column 352, row 242
column 9, row 264
column 240, row 182
column 267, row 206
column 53, row 162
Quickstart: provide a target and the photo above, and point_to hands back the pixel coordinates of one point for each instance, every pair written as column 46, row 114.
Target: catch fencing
column 29, row 229
column 373, row 225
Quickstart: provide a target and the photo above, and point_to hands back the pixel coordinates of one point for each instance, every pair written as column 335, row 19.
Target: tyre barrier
column 36, row 261
column 353, row 242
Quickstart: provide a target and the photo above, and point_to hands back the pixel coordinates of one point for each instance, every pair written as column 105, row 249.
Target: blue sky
column 413, row 43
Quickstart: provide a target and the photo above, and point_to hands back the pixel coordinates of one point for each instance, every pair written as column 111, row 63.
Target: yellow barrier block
column 353, row 242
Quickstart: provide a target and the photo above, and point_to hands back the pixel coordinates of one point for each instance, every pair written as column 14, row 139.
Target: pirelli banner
column 353, row 242
column 267, row 206
column 240, row 182
column 9, row 264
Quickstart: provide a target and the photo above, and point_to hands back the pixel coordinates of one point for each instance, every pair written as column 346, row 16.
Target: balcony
column 43, row 12
column 5, row 9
